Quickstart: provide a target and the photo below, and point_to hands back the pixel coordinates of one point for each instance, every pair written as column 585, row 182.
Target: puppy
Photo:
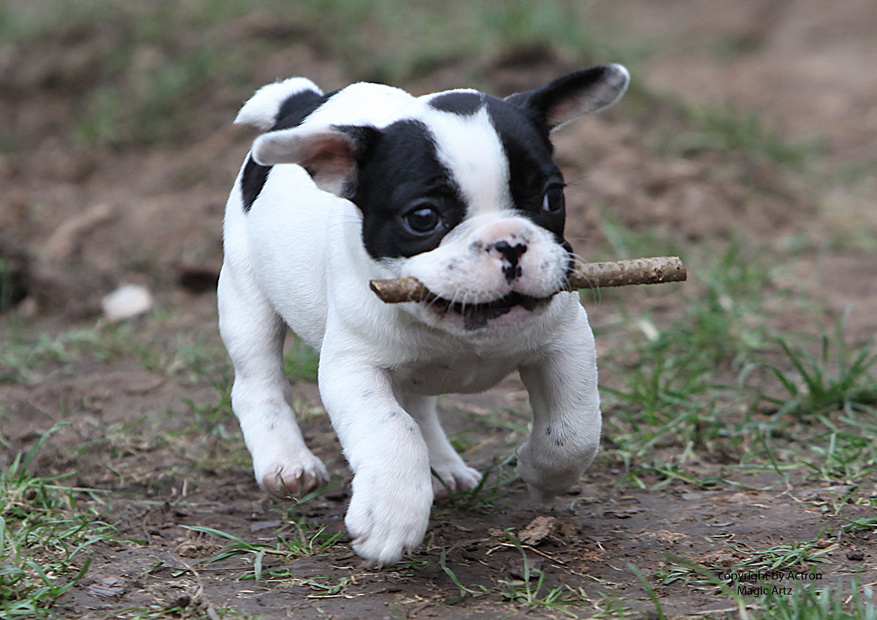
column 457, row 189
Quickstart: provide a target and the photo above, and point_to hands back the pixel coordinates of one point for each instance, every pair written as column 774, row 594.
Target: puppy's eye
column 552, row 202
column 423, row 220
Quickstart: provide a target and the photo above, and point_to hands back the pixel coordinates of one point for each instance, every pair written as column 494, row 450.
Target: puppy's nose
column 511, row 253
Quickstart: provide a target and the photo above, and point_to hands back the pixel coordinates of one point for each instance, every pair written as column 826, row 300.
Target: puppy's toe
column 294, row 479
column 386, row 520
column 454, row 480
column 384, row 546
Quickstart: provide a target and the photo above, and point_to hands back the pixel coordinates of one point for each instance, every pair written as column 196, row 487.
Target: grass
column 537, row 596
column 149, row 83
column 808, row 602
column 301, row 362
column 703, row 385
column 464, row 590
column 44, row 538
column 778, row 596
column 528, row 590
column 295, row 540
column 802, row 556
column 675, row 380
column 25, row 359
column 746, row 131
column 845, row 454
column 497, row 481
column 814, row 388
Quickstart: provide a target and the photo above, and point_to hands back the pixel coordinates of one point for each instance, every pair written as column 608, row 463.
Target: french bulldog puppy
column 457, row 189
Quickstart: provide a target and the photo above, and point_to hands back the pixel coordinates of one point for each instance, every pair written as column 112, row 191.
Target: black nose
column 512, row 253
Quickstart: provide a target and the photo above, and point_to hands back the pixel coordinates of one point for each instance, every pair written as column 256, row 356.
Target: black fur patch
column 531, row 169
column 292, row 113
column 541, row 101
column 464, row 104
column 252, row 181
column 296, row 108
column 402, row 173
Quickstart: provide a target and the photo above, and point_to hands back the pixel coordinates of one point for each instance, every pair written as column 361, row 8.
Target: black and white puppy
column 457, row 189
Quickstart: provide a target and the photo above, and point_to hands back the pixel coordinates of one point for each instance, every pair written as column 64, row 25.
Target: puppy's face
column 465, row 198
column 460, row 192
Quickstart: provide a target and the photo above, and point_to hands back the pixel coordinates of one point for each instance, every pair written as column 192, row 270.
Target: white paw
column 291, row 475
column 454, row 477
column 546, row 475
column 385, row 520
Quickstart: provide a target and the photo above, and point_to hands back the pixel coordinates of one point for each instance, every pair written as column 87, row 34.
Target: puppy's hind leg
column 443, row 459
column 253, row 334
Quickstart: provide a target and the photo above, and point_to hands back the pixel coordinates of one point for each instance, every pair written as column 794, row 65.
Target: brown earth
column 152, row 215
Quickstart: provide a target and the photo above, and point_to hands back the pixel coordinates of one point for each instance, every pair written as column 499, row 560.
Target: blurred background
column 754, row 119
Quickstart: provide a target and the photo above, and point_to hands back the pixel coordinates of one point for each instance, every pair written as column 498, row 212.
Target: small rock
column 696, row 496
column 538, row 530
column 568, row 530
column 106, row 586
column 621, row 513
column 126, row 302
column 722, row 558
column 856, row 556
column 521, row 570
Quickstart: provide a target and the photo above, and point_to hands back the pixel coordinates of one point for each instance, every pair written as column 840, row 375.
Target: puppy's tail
column 287, row 102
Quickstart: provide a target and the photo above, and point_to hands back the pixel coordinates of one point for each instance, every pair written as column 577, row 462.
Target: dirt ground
column 91, row 218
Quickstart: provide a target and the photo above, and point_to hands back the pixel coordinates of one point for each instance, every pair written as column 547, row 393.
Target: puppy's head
column 457, row 189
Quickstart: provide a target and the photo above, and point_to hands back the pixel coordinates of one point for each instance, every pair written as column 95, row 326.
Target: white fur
column 470, row 147
column 261, row 110
column 297, row 259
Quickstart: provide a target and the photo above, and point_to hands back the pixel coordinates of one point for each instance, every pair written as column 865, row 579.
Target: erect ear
column 330, row 154
column 574, row 95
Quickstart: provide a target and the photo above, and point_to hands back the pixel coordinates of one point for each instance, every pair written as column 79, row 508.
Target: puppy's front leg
column 392, row 487
column 261, row 396
column 566, row 413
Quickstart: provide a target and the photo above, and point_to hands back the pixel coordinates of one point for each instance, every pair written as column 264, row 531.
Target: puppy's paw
column 547, row 478
column 540, row 495
column 387, row 518
column 452, row 478
column 291, row 476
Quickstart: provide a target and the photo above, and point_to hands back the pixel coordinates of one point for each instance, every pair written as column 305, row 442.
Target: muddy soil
column 153, row 216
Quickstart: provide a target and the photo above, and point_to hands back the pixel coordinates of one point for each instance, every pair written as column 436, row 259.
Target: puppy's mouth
column 476, row 316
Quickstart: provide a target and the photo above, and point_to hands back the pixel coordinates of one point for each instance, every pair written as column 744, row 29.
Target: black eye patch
column 408, row 199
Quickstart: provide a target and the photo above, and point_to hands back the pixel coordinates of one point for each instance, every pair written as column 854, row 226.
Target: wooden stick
column 585, row 275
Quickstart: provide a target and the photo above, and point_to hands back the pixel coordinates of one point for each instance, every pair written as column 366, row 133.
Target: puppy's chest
column 454, row 375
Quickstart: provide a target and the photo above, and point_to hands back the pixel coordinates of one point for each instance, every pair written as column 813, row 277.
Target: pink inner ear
column 332, row 159
column 565, row 111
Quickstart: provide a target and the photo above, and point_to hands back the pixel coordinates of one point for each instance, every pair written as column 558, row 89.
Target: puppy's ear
column 331, row 155
column 574, row 95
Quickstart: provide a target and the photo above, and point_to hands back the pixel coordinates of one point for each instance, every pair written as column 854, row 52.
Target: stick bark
column 656, row 270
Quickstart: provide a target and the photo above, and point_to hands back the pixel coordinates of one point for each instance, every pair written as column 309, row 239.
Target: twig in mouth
column 656, row 270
